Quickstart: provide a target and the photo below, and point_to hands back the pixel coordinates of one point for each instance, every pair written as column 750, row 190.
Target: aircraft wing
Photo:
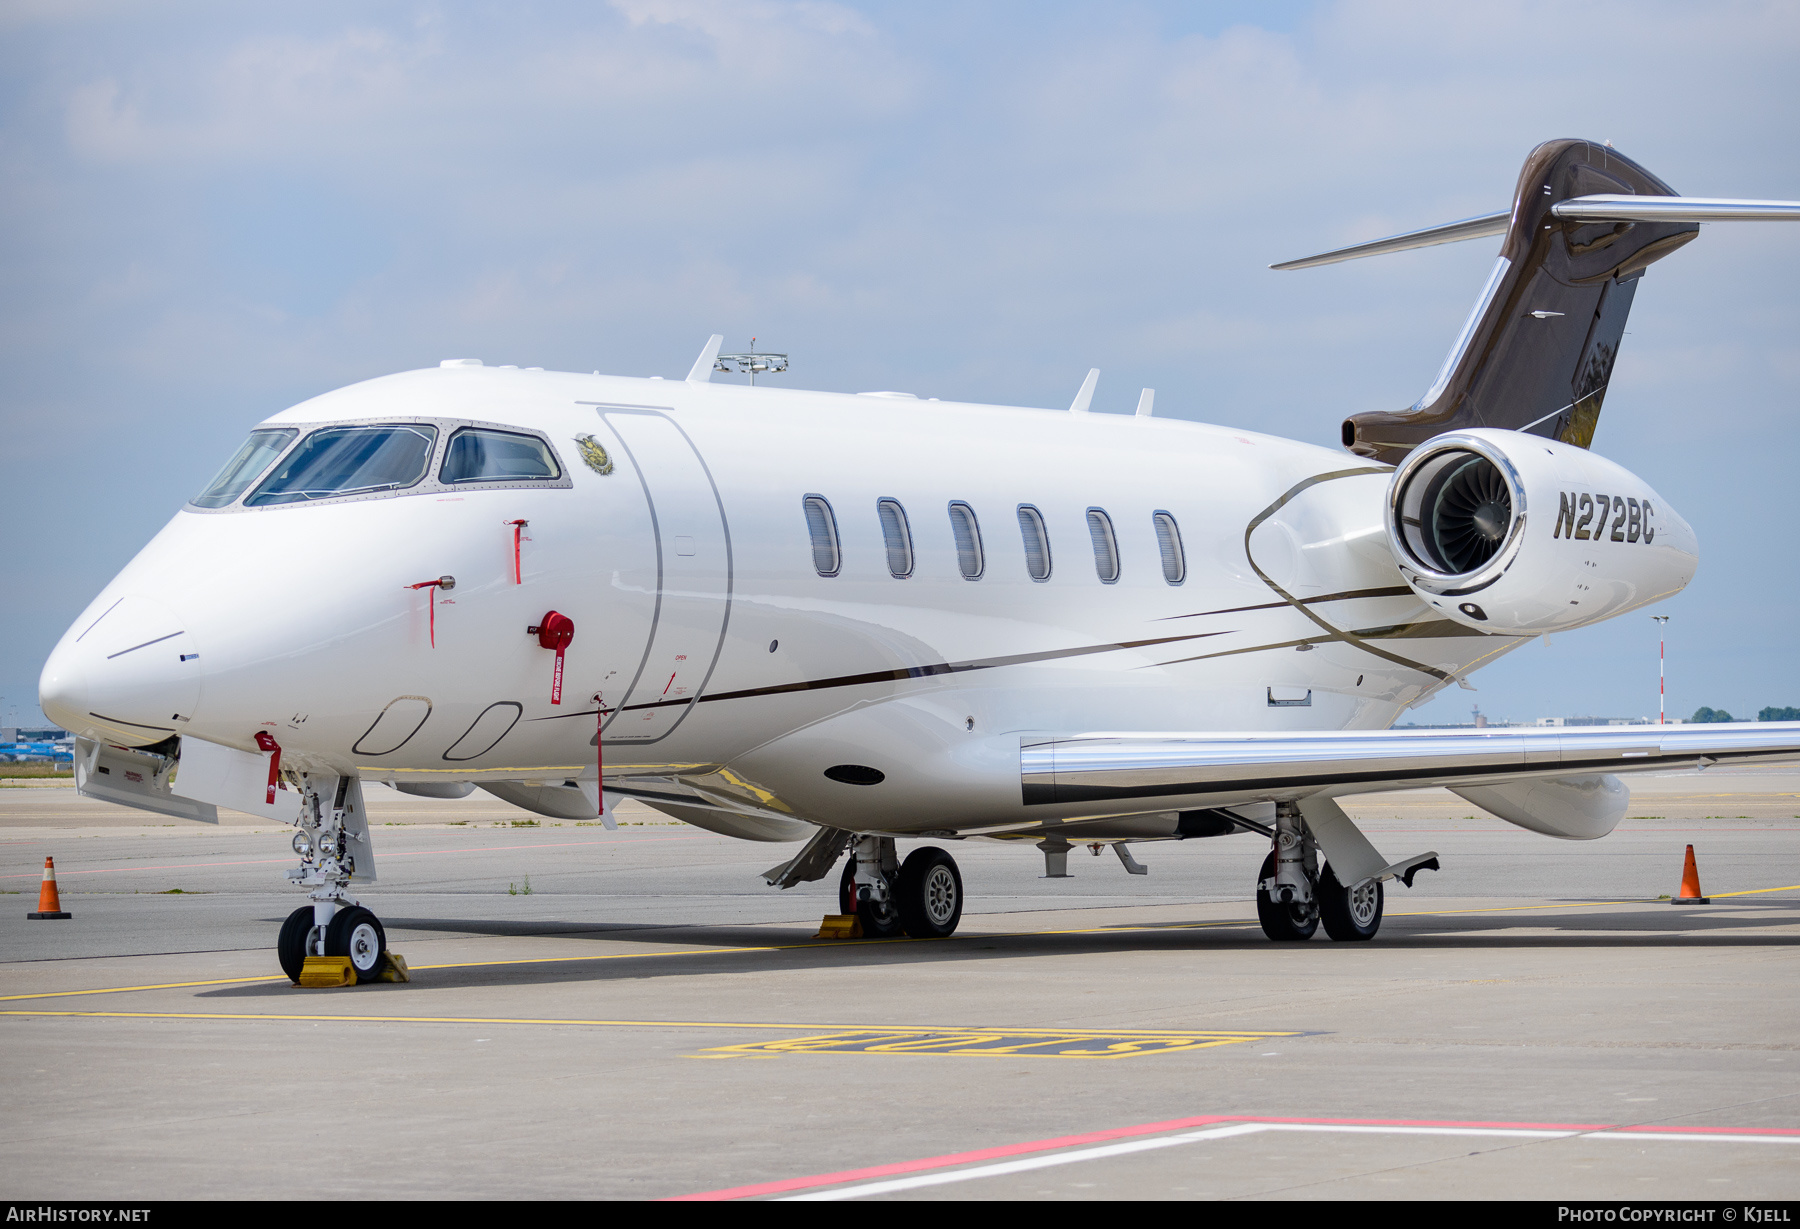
column 1109, row 767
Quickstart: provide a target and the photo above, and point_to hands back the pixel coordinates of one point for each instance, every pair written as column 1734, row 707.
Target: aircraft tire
column 357, row 933
column 878, row 921
column 930, row 894
column 1282, row 923
column 290, row 944
column 1347, row 918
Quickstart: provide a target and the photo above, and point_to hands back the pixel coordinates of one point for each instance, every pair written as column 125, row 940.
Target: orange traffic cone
column 1690, row 884
column 49, row 904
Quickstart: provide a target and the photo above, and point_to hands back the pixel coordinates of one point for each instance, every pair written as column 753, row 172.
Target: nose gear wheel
column 357, row 933
column 291, row 944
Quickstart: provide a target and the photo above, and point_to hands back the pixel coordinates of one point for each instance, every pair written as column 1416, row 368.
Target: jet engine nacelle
column 1514, row 533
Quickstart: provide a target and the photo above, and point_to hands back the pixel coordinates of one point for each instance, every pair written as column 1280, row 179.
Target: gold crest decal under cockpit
column 594, row 454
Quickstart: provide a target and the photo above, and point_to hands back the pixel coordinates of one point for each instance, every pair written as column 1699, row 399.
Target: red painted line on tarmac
column 1177, row 1124
column 955, row 1158
column 410, row 853
column 1432, row 1122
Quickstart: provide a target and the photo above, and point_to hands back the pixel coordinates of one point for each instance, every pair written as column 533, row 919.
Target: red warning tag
column 267, row 742
column 555, row 631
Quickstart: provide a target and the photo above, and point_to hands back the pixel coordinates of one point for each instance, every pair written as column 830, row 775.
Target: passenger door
column 694, row 575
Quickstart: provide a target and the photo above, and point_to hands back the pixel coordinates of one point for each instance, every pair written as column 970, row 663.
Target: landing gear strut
column 1286, row 904
column 329, row 832
column 867, row 888
column 1295, row 893
column 922, row 898
column 1283, row 921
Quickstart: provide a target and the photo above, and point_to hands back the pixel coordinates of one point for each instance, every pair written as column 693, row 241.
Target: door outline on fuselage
column 606, row 411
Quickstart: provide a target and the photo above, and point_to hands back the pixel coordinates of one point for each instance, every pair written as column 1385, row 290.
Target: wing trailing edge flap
column 1354, row 859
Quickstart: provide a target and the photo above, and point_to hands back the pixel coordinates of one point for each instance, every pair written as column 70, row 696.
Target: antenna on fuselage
column 751, row 362
column 1085, row 397
column 1146, row 403
column 703, row 366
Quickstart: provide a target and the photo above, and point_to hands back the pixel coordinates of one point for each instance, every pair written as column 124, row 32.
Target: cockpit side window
column 246, row 467
column 475, row 455
column 339, row 461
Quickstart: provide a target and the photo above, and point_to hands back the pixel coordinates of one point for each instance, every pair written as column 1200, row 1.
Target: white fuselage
column 721, row 656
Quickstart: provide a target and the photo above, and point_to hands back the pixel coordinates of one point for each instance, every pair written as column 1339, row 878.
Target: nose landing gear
column 330, row 836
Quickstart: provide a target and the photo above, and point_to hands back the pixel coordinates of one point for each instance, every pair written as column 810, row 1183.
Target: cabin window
column 337, row 461
column 1037, row 542
column 1106, row 547
column 1168, row 541
column 246, row 467
column 968, row 540
column 475, row 455
column 821, row 526
column 898, row 536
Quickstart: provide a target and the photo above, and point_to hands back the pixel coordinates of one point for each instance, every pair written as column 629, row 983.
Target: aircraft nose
column 130, row 676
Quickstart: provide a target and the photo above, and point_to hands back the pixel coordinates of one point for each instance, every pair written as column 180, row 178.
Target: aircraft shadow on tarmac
column 752, row 949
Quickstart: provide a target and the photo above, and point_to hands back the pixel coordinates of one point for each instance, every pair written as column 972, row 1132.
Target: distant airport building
column 45, row 743
column 1568, row 721
column 1484, row 722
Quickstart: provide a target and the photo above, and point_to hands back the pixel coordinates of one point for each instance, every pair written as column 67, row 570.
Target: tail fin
column 1538, row 350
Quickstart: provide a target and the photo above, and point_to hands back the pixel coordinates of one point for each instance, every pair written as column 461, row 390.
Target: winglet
column 703, row 366
column 1146, row 403
column 1086, row 396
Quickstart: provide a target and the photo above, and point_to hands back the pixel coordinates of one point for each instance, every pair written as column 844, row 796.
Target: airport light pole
column 1662, row 627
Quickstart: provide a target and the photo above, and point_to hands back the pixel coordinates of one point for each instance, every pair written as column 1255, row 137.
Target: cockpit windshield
column 339, row 461
column 246, row 467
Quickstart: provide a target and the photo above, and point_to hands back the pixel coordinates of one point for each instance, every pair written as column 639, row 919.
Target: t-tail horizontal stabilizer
column 1537, row 351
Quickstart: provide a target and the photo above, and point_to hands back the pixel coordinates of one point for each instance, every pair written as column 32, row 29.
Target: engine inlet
column 1456, row 511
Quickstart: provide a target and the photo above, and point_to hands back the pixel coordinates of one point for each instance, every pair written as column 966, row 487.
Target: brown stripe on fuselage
column 903, row 673
column 1346, row 595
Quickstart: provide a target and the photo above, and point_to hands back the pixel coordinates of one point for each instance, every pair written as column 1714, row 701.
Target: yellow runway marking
column 172, row 985
column 998, row 1042
column 975, row 1042
column 978, row 1042
column 1792, row 887
column 358, row 1019
column 471, row 964
column 1573, row 904
column 817, row 946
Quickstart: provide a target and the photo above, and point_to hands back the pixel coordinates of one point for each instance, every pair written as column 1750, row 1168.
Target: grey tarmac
column 649, row 1021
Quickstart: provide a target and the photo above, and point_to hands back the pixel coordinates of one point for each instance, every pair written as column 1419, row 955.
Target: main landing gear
column 921, row 898
column 334, row 924
column 1295, row 892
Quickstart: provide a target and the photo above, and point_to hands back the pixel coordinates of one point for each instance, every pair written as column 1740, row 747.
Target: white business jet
column 851, row 620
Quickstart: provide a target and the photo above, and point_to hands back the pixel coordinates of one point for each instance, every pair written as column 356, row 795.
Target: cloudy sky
column 214, row 210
